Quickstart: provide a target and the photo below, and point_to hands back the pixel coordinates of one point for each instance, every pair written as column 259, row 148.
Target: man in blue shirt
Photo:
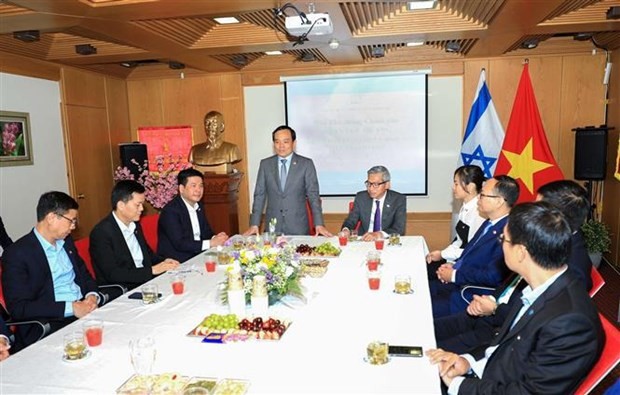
column 43, row 277
column 552, row 337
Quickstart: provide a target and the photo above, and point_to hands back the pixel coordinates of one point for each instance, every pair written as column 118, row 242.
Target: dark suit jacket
column 28, row 286
column 481, row 263
column 461, row 332
column 549, row 350
column 112, row 259
column 4, row 330
column 393, row 216
column 288, row 207
column 175, row 234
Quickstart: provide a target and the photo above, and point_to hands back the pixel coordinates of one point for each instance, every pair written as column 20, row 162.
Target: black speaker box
column 134, row 152
column 590, row 153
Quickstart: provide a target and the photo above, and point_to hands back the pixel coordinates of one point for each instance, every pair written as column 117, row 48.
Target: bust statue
column 216, row 151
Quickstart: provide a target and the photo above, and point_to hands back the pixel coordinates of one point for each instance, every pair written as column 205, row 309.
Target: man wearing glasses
column 482, row 260
column 43, row 277
column 379, row 210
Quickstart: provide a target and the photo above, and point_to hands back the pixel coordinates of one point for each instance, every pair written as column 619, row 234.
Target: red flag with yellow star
column 525, row 154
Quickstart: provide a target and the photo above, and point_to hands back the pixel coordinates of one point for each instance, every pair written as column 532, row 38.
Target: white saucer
column 403, row 293
column 86, row 355
column 388, row 361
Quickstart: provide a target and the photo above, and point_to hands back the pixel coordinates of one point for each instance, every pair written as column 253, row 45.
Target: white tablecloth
column 321, row 352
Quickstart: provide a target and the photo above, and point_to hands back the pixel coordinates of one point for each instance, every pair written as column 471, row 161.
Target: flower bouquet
column 160, row 186
column 279, row 264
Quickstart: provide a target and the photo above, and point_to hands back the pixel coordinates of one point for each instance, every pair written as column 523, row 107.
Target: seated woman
column 466, row 187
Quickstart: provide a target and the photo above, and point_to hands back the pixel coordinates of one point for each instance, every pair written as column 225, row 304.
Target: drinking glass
column 377, row 353
column 93, row 332
column 374, row 279
column 149, row 293
column 75, row 346
column 143, row 353
column 178, row 284
column 402, row 284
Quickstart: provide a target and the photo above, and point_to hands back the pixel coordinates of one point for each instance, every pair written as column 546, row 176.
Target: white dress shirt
column 193, row 217
column 129, row 233
column 371, row 223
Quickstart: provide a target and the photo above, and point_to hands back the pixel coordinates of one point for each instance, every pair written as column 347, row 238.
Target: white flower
column 250, row 255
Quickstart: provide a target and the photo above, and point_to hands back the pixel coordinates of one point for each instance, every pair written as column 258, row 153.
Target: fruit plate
column 165, row 383
column 322, row 250
column 256, row 328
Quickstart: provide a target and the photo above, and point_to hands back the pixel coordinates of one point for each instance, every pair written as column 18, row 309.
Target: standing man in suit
column 380, row 210
column 43, row 277
column 183, row 229
column 549, row 341
column 118, row 249
column 485, row 314
column 285, row 180
column 482, row 260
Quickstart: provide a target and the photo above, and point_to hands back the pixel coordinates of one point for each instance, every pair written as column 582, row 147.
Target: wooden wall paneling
column 582, row 103
column 145, row 104
column 90, row 147
column 232, row 108
column 611, row 195
column 187, row 101
column 28, row 67
column 118, row 117
column 83, row 88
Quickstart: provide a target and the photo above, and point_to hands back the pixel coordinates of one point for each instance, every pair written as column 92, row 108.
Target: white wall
column 265, row 110
column 21, row 186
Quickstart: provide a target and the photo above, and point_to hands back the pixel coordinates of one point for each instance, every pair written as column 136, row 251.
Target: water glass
column 143, row 353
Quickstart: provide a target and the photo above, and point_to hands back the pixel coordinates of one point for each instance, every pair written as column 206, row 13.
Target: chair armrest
column 110, row 292
column 486, row 290
column 43, row 325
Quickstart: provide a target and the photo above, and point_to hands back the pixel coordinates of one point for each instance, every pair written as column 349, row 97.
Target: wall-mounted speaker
column 132, row 153
column 590, row 153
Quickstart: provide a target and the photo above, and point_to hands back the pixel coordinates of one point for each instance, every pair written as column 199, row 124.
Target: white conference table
column 321, row 352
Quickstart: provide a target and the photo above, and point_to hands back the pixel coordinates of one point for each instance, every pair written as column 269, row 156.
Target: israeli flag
column 484, row 134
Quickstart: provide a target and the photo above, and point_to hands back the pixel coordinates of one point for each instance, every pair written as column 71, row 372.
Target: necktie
column 283, row 174
column 376, row 226
column 484, row 231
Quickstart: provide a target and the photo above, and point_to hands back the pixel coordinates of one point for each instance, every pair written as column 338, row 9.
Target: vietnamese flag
column 525, row 154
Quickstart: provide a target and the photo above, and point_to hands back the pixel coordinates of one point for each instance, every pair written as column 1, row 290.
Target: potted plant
column 597, row 238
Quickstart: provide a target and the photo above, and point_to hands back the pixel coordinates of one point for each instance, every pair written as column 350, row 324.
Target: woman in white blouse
column 466, row 187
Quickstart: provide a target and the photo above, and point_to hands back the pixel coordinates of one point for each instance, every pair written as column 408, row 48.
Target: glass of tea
column 75, row 346
column 377, row 353
column 402, row 284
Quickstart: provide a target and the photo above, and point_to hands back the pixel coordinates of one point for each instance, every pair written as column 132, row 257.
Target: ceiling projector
column 296, row 26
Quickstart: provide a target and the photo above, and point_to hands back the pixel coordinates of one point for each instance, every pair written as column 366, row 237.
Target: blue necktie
column 376, row 226
column 283, row 174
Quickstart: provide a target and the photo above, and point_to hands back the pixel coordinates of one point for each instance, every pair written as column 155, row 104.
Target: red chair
column 83, row 246
column 310, row 218
column 608, row 360
column 359, row 223
column 597, row 281
column 149, row 228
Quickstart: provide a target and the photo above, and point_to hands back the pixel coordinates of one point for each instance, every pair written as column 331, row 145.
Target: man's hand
column 346, row 232
column 4, row 348
column 321, row 230
column 433, row 256
column 482, row 306
column 164, row 266
column 252, row 230
column 218, row 239
column 444, row 273
column 451, row 365
column 83, row 307
column 371, row 236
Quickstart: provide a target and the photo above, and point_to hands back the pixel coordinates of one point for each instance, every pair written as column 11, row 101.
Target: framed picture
column 16, row 148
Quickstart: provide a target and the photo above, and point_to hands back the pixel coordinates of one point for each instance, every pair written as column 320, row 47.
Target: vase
column 596, row 258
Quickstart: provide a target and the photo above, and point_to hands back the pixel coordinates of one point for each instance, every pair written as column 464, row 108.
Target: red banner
column 173, row 142
column 525, row 154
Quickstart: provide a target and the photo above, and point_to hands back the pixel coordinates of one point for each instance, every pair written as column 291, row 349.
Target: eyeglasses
column 73, row 221
column 374, row 184
column 502, row 239
column 484, row 195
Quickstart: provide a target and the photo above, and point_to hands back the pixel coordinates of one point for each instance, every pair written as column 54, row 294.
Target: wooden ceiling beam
column 514, row 20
